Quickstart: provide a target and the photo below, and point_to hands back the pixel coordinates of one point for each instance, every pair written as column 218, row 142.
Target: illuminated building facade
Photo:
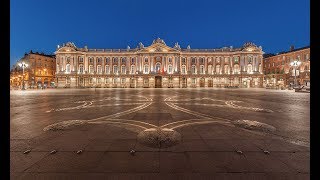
column 39, row 72
column 279, row 73
column 159, row 65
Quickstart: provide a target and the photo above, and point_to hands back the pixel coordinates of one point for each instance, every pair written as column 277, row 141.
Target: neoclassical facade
column 159, row 65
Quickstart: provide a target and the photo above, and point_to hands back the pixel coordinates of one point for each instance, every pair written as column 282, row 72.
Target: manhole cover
column 159, row 138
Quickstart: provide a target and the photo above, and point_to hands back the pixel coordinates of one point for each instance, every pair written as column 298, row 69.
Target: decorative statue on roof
column 188, row 47
column 141, row 45
column 176, row 46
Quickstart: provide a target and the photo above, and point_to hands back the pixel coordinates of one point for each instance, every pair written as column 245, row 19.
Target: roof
column 285, row 52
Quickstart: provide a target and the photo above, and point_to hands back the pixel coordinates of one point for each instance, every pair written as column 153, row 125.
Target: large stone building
column 159, row 65
column 39, row 72
column 280, row 73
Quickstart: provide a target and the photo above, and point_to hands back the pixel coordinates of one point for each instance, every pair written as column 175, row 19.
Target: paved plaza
column 159, row 134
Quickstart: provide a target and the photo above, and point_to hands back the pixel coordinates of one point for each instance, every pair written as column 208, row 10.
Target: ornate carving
column 176, row 46
column 158, row 40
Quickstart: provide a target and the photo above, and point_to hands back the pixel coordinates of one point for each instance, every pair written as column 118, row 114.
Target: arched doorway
column 158, row 83
column 184, row 82
column 201, row 82
column 210, row 83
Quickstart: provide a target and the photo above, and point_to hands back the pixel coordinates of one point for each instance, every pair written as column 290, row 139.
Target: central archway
column 158, row 83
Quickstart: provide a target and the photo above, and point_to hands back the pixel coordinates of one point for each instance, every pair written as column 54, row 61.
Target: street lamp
column 295, row 64
column 23, row 65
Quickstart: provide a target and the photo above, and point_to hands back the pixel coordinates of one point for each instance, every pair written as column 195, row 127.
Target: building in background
column 159, row 65
column 279, row 72
column 39, row 73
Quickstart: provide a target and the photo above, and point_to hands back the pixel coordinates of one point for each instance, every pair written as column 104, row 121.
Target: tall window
column 90, row 59
column 81, row 68
column 170, row 60
column 145, row 60
column 183, row 69
column 226, row 69
column 201, row 69
column 107, row 70
column 132, row 60
column 91, row 69
column 123, row 69
column 115, row 69
column 123, row 60
column 236, row 59
column 236, row 69
column 193, row 60
column 193, row 69
column 158, row 66
column 68, row 68
column 210, row 69
column 183, row 60
column 146, row 69
column 218, row 69
column 249, row 70
column 193, row 80
column 132, row 69
column 99, row 69
column 115, row 60
column 80, row 59
column 201, row 60
column 170, row 69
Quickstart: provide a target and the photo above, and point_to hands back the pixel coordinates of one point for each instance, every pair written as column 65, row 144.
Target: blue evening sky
column 40, row 25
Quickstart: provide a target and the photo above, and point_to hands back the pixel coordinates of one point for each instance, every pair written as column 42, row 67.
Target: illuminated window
column 81, row 68
column 99, row 69
column 91, row 69
column 115, row 69
column 146, row 69
column 68, row 68
column 170, row 69
column 132, row 69
column 107, row 69
column 183, row 69
column 193, row 69
column 123, row 69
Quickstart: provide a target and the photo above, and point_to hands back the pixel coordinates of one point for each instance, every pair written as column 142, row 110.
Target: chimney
column 291, row 48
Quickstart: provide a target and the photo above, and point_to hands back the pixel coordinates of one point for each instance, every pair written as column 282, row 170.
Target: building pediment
column 158, row 45
column 251, row 47
column 68, row 47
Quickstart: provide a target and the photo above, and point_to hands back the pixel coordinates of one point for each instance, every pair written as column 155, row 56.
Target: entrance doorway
column 202, row 82
column 158, row 83
column 210, row 83
column 184, row 82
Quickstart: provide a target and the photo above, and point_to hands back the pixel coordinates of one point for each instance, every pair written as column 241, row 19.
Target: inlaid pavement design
column 218, row 134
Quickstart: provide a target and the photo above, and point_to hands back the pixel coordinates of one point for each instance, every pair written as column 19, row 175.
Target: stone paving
column 93, row 133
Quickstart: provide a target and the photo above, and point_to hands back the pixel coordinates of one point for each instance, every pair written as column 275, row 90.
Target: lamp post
column 23, row 65
column 295, row 64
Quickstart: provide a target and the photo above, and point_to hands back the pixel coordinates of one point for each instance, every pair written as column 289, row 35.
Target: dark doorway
column 158, row 82
column 210, row 83
column 202, row 82
column 184, row 82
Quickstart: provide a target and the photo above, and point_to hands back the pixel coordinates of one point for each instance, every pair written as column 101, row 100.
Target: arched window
column 99, row 69
column 99, row 59
column 226, row 69
column 217, row 69
column 68, row 68
column 123, row 69
column 183, row 61
column 201, row 60
column 236, row 69
column 193, row 69
column 81, row 68
column 115, row 60
column 201, row 69
column 193, row 60
column 115, row 69
column 107, row 60
column 146, row 69
column 90, row 59
column 107, row 69
column 91, row 69
column 183, row 69
column 170, row 69
column 123, row 60
column 158, row 66
column 210, row 69
column 132, row 70
column 249, row 68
